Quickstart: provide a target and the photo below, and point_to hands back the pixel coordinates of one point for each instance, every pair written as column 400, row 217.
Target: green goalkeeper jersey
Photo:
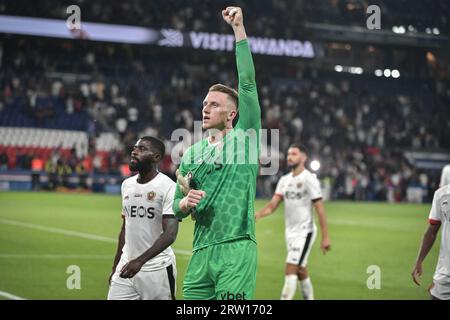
column 227, row 171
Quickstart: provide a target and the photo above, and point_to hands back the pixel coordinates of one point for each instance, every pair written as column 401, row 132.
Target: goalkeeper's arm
column 182, row 205
column 249, row 109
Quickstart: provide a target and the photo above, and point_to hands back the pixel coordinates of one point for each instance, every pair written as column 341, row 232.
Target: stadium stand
column 262, row 16
column 86, row 103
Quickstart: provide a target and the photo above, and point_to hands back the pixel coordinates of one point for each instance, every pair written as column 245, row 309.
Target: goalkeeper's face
column 218, row 111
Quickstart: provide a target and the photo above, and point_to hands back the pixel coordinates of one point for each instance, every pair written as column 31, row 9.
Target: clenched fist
column 233, row 16
column 192, row 199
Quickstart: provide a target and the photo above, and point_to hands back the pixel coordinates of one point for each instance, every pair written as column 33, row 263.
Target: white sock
column 290, row 286
column 307, row 289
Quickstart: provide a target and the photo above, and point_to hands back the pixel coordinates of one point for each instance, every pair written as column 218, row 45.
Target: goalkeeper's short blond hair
column 230, row 92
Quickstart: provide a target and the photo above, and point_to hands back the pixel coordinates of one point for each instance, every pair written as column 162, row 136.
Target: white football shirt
column 298, row 193
column 440, row 213
column 445, row 176
column 143, row 208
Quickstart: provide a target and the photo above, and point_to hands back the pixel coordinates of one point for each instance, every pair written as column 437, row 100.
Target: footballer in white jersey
column 144, row 267
column 445, row 176
column 439, row 216
column 300, row 190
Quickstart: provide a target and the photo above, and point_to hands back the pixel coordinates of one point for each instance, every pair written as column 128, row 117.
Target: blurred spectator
column 37, row 166
column 3, row 161
column 82, row 176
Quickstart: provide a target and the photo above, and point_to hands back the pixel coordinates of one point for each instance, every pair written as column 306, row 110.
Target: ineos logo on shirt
column 139, row 212
column 291, row 195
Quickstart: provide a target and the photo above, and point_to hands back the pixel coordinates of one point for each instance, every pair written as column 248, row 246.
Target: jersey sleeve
column 178, row 193
column 122, row 188
column 435, row 212
column 313, row 188
column 249, row 109
column 168, row 201
column 279, row 190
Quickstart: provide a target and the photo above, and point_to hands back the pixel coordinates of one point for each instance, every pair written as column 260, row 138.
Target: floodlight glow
column 395, row 73
column 315, row 165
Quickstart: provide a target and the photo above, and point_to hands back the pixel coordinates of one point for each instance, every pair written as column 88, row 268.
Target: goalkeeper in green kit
column 216, row 184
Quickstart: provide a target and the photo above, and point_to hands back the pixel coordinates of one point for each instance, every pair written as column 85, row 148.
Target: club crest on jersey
column 151, row 195
column 299, row 185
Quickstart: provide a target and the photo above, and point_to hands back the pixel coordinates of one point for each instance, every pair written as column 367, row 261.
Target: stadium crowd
column 357, row 125
column 262, row 16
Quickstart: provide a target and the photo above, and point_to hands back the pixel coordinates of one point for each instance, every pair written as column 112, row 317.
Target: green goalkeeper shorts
column 226, row 271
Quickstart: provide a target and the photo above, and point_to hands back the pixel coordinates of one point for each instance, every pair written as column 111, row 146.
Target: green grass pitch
column 41, row 234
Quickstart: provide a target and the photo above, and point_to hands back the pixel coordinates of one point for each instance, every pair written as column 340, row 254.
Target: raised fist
column 233, row 16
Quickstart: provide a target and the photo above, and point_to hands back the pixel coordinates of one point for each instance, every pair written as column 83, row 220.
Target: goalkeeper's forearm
column 180, row 208
column 239, row 33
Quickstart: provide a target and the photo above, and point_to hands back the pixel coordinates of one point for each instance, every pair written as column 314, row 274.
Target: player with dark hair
column 219, row 189
column 144, row 265
column 300, row 190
